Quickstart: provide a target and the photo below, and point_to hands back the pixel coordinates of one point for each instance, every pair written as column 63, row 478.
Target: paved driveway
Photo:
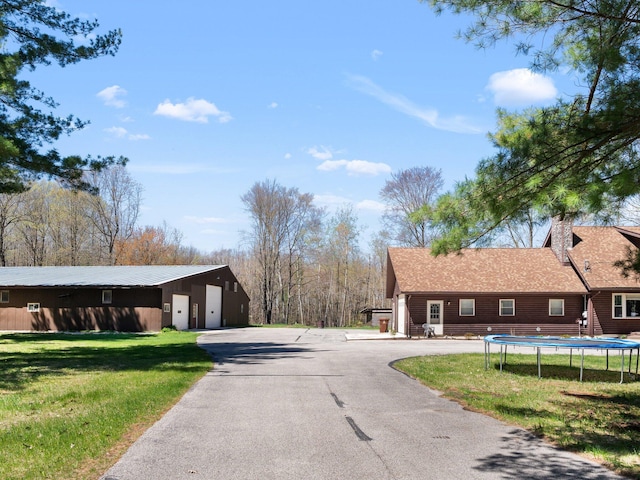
column 307, row 404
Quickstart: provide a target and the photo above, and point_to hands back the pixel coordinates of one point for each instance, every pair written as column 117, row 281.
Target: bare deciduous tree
column 70, row 228
column 280, row 219
column 342, row 247
column 151, row 246
column 522, row 232
column 34, row 226
column 406, row 193
column 10, row 214
column 114, row 211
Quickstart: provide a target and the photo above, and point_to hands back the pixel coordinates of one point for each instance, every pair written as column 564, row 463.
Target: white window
column 4, row 296
column 107, row 296
column 626, row 305
column 226, row 285
column 235, row 286
column 556, row 307
column 617, row 306
column 33, row 307
column 507, row 307
column 167, row 308
column 467, row 307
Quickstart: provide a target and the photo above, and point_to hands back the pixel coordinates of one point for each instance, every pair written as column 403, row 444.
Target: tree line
column 300, row 266
column 48, row 224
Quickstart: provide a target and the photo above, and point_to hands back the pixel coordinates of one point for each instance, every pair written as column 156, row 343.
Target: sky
column 208, row 97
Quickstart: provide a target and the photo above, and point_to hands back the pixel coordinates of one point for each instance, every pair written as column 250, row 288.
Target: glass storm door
column 434, row 315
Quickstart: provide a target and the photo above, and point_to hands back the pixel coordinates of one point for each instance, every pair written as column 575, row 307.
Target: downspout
column 394, row 312
column 407, row 328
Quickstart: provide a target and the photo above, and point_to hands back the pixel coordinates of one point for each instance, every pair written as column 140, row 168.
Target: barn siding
column 77, row 319
column 531, row 312
column 68, row 309
column 235, row 305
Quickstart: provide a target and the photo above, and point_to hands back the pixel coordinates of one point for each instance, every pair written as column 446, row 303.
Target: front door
column 434, row 315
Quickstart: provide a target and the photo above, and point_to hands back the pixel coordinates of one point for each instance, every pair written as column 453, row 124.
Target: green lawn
column 70, row 404
column 598, row 417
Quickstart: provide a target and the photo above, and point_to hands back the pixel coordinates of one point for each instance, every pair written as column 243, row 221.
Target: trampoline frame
column 580, row 343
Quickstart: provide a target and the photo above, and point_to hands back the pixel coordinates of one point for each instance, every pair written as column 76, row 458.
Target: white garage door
column 214, row 307
column 180, row 317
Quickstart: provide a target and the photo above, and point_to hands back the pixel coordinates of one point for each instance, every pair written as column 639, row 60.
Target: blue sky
column 208, row 97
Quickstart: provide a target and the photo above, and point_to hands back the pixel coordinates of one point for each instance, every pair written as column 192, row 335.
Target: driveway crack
column 339, row 402
column 359, row 433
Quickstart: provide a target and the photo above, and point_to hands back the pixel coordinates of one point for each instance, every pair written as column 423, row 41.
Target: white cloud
column 355, row 167
column 430, row 116
column 376, row 54
column 330, row 165
column 330, row 200
column 111, row 96
column 193, row 110
column 287, row 156
column 335, row 201
column 371, row 205
column 272, row 105
column 139, row 136
column 352, row 167
column 119, row 132
column 520, row 87
column 206, row 220
column 321, row 153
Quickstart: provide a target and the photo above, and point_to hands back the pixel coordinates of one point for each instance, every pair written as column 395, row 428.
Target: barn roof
column 486, row 270
column 99, row 276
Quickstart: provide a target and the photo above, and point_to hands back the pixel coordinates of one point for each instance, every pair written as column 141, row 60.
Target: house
column 613, row 303
column 123, row 298
column 536, row 291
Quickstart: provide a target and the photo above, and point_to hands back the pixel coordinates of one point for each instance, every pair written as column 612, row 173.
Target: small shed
column 121, row 298
column 373, row 315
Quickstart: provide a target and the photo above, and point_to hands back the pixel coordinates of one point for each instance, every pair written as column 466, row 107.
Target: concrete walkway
column 308, row 404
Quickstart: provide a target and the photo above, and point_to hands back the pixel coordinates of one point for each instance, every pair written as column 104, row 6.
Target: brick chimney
column 561, row 237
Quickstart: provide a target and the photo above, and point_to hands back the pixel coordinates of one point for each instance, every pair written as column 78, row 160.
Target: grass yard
column 598, row 417
column 70, row 404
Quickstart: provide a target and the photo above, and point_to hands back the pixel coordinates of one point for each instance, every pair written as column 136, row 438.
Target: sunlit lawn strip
column 67, row 401
column 598, row 417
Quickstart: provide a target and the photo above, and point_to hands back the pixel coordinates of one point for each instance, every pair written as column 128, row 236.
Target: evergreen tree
column 33, row 34
column 577, row 156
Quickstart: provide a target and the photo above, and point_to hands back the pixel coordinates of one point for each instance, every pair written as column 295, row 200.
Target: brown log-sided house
column 535, row 291
column 121, row 298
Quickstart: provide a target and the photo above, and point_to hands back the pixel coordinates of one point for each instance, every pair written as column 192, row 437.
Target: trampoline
column 582, row 344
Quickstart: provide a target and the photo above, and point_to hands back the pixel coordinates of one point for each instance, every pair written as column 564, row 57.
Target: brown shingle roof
column 599, row 248
column 487, row 270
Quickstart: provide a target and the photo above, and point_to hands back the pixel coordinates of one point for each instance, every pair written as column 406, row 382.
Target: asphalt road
column 307, row 404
